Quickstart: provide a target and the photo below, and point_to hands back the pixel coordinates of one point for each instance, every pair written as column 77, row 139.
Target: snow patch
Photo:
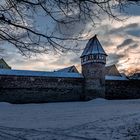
column 115, row 78
column 4, row 104
column 97, row 119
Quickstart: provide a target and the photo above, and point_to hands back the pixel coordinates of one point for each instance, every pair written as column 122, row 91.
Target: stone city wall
column 31, row 89
column 28, row 89
column 129, row 89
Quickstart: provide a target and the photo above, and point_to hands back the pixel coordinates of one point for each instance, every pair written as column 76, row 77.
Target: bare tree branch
column 17, row 18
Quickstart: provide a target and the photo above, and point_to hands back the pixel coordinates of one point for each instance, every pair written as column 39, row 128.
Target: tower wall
column 94, row 74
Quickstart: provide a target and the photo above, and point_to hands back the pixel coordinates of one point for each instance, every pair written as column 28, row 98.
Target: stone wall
column 122, row 89
column 25, row 89
column 29, row 89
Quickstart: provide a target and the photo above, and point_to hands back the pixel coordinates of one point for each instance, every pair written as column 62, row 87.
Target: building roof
column 6, row 66
column 72, row 69
column 40, row 73
column 135, row 76
column 112, row 71
column 93, row 47
column 115, row 78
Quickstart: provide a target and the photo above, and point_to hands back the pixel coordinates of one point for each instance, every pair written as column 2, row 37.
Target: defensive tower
column 93, row 60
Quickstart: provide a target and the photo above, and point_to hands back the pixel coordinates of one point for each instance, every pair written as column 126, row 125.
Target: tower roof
column 93, row 47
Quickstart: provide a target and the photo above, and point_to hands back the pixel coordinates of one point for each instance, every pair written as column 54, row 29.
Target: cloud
column 132, row 25
column 131, row 10
column 133, row 46
column 75, row 60
column 71, row 27
column 134, row 32
column 114, row 58
column 126, row 43
column 125, row 29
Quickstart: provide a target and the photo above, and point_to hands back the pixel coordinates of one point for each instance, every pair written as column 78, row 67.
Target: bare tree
column 17, row 19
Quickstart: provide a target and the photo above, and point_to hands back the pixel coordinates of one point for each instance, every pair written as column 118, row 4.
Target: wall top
column 40, row 73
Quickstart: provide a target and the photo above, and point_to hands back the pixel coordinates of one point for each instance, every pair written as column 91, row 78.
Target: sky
column 120, row 40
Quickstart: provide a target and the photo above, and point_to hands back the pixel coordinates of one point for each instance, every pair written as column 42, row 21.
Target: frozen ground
column 94, row 120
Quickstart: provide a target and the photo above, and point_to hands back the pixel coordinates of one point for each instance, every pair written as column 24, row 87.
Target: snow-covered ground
column 98, row 119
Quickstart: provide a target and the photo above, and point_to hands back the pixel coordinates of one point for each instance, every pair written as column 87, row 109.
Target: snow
column 39, row 73
column 115, row 78
column 98, row 119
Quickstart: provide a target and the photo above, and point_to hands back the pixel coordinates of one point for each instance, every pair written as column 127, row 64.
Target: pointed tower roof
column 93, row 47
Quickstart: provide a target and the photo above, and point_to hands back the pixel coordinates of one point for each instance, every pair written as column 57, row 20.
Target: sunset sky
column 120, row 39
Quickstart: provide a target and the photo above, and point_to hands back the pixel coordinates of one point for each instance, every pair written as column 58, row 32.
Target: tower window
column 83, row 59
column 94, row 56
column 101, row 57
column 90, row 57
